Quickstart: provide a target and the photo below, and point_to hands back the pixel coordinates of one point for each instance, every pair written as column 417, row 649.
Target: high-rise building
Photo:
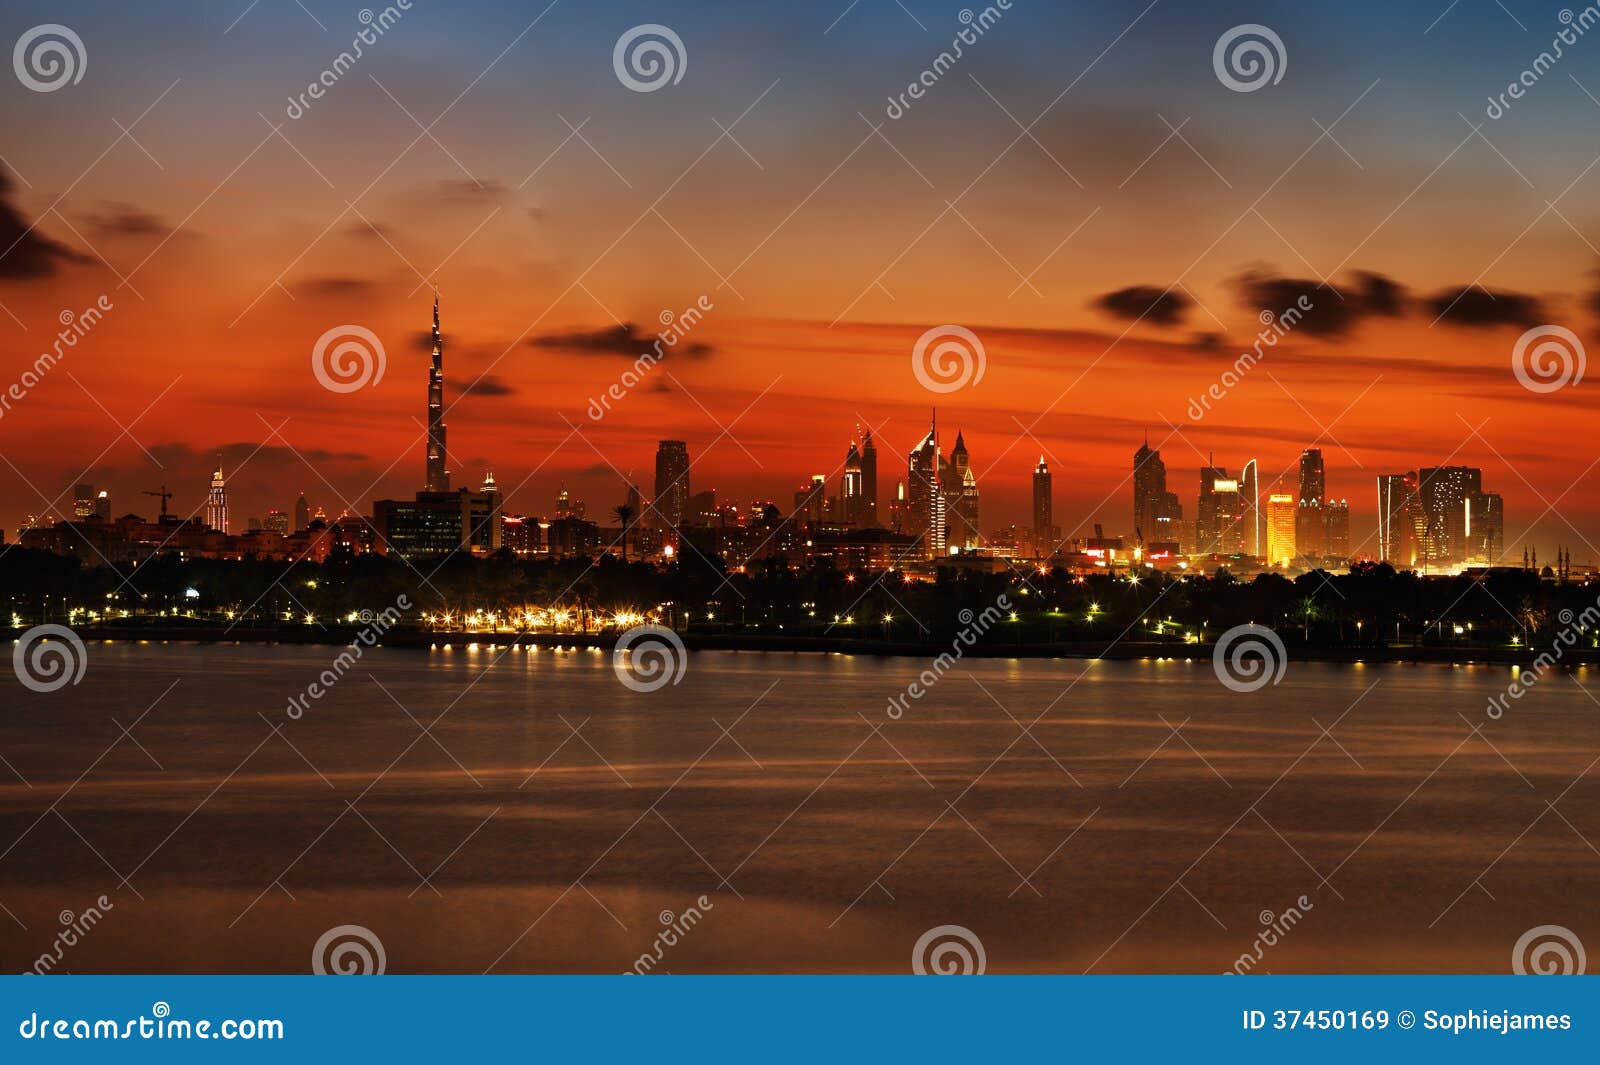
column 960, row 488
column 1445, row 493
column 672, row 483
column 1219, row 517
column 302, row 513
column 438, row 479
column 1486, row 527
column 276, row 521
column 1401, row 522
column 217, row 502
column 1250, row 499
column 852, row 498
column 1336, row 520
column 102, row 505
column 869, row 483
column 1044, row 527
column 1282, row 510
column 569, row 508
column 1157, row 514
column 83, row 501
column 487, row 534
column 925, row 497
column 1311, row 533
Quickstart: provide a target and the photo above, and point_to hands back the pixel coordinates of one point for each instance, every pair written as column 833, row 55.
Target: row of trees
column 1369, row 603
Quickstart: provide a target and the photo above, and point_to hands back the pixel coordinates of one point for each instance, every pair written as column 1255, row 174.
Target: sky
column 1081, row 189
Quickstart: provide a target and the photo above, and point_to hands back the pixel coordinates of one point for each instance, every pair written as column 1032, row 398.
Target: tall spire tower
column 438, row 474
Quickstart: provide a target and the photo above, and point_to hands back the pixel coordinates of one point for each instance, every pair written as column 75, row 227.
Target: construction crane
column 164, row 495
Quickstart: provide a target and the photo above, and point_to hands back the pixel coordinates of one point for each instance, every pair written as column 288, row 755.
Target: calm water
column 551, row 816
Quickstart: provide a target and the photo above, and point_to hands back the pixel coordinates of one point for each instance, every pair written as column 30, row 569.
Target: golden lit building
column 1282, row 510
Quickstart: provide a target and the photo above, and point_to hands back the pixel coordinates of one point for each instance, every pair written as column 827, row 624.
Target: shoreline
column 1125, row 650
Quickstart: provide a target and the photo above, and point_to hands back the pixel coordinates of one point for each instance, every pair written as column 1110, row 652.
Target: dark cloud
column 1207, row 342
column 364, row 230
column 1145, row 303
column 1334, row 310
column 489, row 385
column 118, row 219
column 624, row 339
column 25, row 253
column 465, row 192
column 1479, row 308
column 335, row 286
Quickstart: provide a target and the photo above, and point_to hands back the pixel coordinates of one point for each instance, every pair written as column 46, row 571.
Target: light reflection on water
column 550, row 816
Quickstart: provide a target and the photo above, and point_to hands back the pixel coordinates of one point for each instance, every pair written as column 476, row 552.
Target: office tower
column 1336, row 521
column 1230, row 504
column 925, row 502
column 1486, row 527
column 672, row 483
column 253, row 524
column 217, row 502
column 1250, row 498
column 102, row 505
column 1149, row 486
column 899, row 509
column 702, row 509
column 568, row 507
column 1210, row 518
column 1400, row 519
column 852, row 499
column 810, row 501
column 1311, row 535
column 1282, row 511
column 487, row 531
column 634, row 503
column 302, row 513
column 1444, row 492
column 1043, row 509
column 960, row 488
column 869, row 482
column 83, row 501
column 276, row 521
column 438, row 479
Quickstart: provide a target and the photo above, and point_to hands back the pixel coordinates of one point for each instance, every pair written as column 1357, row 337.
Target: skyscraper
column 1219, row 513
column 960, row 488
column 869, row 482
column 1250, row 500
column 302, row 513
column 217, row 501
column 1311, row 533
column 1486, row 527
column 852, row 501
column 672, row 483
column 1445, row 493
column 1400, row 519
column 925, row 501
column 1282, row 510
column 438, row 479
column 102, row 505
column 1336, row 518
column 83, row 501
column 1156, row 511
column 276, row 521
column 1044, row 531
